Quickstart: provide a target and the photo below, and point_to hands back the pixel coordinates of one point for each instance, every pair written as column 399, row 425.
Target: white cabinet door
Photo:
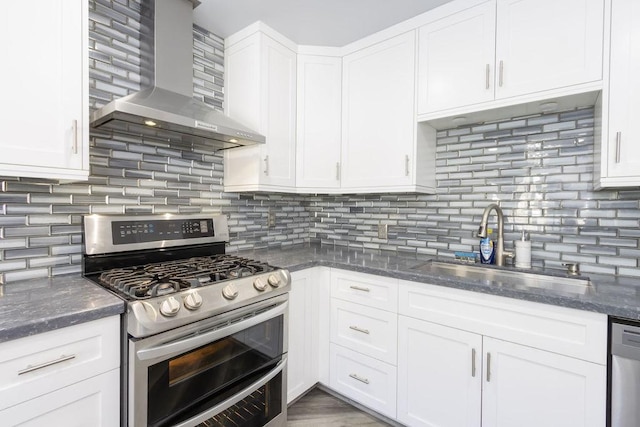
column 456, row 59
column 620, row 148
column 527, row 387
column 93, row 402
column 303, row 333
column 319, row 123
column 547, row 44
column 43, row 81
column 379, row 125
column 439, row 375
column 261, row 94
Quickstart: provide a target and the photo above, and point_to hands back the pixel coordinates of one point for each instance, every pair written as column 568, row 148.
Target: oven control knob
column 260, row 284
column 170, row 307
column 230, row 291
column 193, row 301
column 274, row 280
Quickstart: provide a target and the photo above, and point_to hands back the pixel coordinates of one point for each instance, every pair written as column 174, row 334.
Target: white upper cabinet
column 505, row 52
column 547, row 44
column 456, row 59
column 380, row 143
column 261, row 94
column 44, row 86
column 319, row 123
column 619, row 157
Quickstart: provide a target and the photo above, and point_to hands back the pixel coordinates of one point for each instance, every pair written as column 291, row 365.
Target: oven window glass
column 195, row 381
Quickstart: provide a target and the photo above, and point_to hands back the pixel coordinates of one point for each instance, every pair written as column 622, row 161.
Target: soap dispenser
column 523, row 251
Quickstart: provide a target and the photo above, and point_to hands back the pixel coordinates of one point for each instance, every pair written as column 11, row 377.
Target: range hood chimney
column 166, row 109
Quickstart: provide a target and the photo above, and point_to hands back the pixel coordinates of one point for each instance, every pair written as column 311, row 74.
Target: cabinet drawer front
column 567, row 331
column 367, row 330
column 367, row 289
column 94, row 402
column 39, row 364
column 363, row 379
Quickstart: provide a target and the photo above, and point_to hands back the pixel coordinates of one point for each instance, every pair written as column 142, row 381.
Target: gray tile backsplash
column 539, row 168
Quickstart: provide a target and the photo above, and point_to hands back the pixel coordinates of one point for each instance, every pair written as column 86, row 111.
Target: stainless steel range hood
column 166, row 109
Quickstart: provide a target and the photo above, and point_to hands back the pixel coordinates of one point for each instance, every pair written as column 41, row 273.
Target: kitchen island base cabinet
column 94, row 402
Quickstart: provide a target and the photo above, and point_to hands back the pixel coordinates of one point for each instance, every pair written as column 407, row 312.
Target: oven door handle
column 237, row 397
column 177, row 346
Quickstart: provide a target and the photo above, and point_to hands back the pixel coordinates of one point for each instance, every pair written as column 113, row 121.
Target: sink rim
column 510, row 277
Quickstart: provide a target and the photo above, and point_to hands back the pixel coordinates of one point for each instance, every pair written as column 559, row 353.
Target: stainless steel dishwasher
column 625, row 374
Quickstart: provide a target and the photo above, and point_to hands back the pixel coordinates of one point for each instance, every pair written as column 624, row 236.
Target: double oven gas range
column 204, row 340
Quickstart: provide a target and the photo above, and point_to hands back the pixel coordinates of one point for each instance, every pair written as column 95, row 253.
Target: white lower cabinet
column 527, row 387
column 364, row 379
column 439, row 375
column 474, row 374
column 94, row 402
column 304, row 323
column 68, row 376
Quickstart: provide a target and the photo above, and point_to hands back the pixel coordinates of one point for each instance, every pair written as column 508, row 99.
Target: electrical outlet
column 271, row 219
column 382, row 231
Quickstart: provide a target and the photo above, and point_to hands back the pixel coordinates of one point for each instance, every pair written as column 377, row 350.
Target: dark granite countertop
column 615, row 296
column 40, row 305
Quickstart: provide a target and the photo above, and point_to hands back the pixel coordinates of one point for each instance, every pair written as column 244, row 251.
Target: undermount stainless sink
column 514, row 278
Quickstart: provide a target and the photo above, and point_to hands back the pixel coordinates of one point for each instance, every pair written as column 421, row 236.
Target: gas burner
column 163, row 278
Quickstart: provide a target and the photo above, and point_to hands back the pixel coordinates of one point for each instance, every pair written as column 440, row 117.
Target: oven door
column 224, row 371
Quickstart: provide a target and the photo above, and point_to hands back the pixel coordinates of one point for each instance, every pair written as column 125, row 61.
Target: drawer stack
column 363, row 349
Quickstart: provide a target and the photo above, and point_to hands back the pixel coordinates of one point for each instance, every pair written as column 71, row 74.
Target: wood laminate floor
column 319, row 409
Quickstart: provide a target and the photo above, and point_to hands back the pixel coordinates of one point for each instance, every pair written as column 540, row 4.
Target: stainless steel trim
column 280, row 367
column 202, row 339
column 406, row 165
column 501, row 72
column 74, row 130
column 488, row 367
column 266, row 165
column 618, row 145
column 98, row 238
column 473, row 362
column 358, row 378
column 357, row 329
column 625, row 374
column 487, row 73
column 360, row 288
column 31, row 368
column 138, row 369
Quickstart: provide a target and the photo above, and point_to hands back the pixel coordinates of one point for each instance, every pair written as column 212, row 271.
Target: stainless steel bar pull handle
column 266, row 165
column 473, row 362
column 338, row 171
column 487, row 75
column 500, row 78
column 406, row 165
column 357, row 329
column 488, row 367
column 360, row 288
column 74, row 130
column 31, row 368
column 358, row 378
column 618, row 143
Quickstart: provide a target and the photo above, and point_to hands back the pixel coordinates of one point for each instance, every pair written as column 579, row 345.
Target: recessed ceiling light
column 459, row 120
column 233, row 140
column 150, row 123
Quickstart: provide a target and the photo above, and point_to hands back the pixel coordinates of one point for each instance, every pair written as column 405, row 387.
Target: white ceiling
column 310, row 22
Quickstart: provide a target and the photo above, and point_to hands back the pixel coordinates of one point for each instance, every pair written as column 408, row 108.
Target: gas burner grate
column 156, row 279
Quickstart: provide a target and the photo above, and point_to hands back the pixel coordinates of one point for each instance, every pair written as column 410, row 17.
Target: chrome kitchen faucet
column 482, row 232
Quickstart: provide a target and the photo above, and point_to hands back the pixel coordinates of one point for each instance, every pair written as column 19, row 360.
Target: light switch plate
column 382, row 231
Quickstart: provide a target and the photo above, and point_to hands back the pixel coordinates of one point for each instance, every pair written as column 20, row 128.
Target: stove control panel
column 137, row 231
